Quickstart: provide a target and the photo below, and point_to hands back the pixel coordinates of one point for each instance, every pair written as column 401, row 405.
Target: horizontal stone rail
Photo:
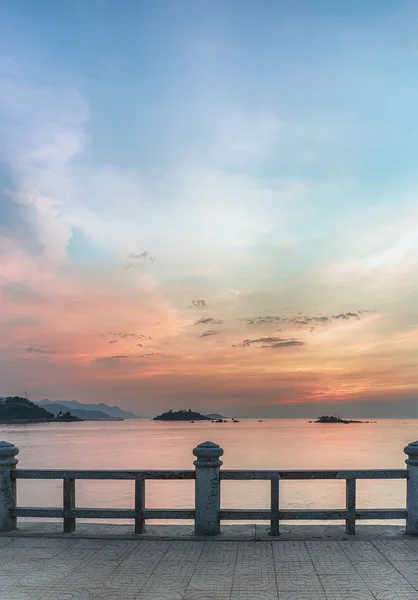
column 208, row 476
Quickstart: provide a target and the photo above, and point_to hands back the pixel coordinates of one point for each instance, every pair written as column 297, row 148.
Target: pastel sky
column 210, row 204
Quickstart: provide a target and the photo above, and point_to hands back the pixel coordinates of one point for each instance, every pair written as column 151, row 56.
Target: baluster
column 350, row 493
column 275, row 499
column 139, row 505
column 69, row 504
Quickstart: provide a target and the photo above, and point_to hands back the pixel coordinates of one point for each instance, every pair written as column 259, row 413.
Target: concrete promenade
column 48, row 568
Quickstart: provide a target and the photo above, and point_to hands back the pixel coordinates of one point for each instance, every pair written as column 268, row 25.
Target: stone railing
column 208, row 475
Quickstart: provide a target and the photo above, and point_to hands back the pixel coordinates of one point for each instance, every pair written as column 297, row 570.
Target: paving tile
column 207, row 595
column 348, row 595
column 409, row 570
column 167, row 581
column 84, row 594
column 77, row 554
column 320, row 549
column 303, row 595
column 180, row 571
column 406, row 567
column 359, row 550
column 292, row 550
column 294, row 568
column 186, row 550
column 126, row 581
column 211, row 550
column 327, row 566
column 68, row 594
column 256, row 550
column 20, row 593
column 24, row 564
column 42, row 578
column 5, row 541
column 289, row 583
column 380, row 577
column 219, row 583
column 335, row 583
column 33, row 542
column 151, row 548
column 11, row 552
column 260, row 568
column 160, row 595
column 375, row 569
column 396, row 595
column 243, row 594
column 89, row 581
column 97, row 566
column 7, row 581
column 264, row 579
column 146, row 553
column 207, row 569
column 398, row 549
column 397, row 583
column 117, row 549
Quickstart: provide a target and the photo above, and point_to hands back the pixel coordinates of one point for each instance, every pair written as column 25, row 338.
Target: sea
column 248, row 444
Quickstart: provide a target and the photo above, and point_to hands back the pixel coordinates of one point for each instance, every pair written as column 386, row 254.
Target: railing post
column 207, row 488
column 412, row 489
column 8, row 463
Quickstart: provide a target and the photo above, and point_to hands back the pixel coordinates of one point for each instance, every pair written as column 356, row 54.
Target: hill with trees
column 181, row 415
column 15, row 409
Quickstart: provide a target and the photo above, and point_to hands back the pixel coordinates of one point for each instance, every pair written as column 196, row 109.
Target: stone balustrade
column 208, row 475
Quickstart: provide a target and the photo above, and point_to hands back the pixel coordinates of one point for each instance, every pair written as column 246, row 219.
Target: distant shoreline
column 38, row 421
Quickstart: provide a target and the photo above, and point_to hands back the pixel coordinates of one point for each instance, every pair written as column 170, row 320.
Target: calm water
column 287, row 444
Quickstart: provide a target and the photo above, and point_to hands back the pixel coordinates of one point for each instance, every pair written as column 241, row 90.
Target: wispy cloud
column 198, row 304
column 37, row 350
column 208, row 321
column 269, row 342
column 208, row 333
column 115, row 357
column 301, row 319
column 284, row 344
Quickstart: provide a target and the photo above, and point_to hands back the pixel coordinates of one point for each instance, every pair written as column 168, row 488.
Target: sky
column 210, row 205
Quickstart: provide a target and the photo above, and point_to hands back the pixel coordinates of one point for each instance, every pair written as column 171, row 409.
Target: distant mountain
column 215, row 416
column 78, row 412
column 111, row 411
column 181, row 415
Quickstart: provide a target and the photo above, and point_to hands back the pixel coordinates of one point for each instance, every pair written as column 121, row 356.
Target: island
column 214, row 416
column 181, row 415
column 16, row 410
column 328, row 419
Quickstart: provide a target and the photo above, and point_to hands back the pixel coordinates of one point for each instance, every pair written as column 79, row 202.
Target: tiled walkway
column 80, row 569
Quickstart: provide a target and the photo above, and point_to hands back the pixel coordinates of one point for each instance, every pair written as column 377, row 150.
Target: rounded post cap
column 208, row 450
column 208, row 454
column 412, row 451
column 7, row 453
